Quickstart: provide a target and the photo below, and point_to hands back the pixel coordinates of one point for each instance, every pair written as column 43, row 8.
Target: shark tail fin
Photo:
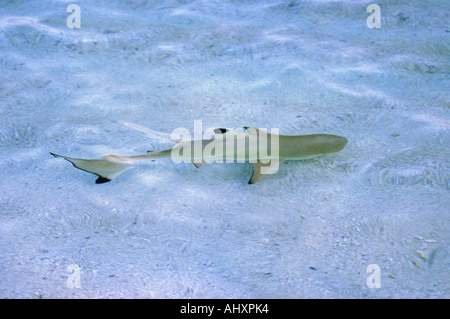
column 106, row 168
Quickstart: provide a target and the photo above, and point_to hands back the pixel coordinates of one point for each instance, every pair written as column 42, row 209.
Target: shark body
column 226, row 146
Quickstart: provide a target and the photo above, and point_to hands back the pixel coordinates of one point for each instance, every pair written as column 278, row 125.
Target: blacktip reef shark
column 265, row 150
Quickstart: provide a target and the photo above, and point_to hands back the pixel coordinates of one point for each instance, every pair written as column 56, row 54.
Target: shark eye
column 220, row 130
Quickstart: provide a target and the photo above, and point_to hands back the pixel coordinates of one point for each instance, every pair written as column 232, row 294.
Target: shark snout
column 340, row 142
column 332, row 143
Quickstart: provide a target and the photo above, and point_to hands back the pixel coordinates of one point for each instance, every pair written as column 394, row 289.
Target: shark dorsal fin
column 222, row 133
column 221, row 130
column 254, row 130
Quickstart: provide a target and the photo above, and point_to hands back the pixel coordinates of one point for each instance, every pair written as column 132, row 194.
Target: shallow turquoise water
column 167, row 230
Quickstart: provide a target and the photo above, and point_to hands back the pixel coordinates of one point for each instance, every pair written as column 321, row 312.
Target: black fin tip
column 220, row 130
column 101, row 180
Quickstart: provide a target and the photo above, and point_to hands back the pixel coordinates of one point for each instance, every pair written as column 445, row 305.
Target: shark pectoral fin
column 262, row 169
column 107, row 168
column 198, row 164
